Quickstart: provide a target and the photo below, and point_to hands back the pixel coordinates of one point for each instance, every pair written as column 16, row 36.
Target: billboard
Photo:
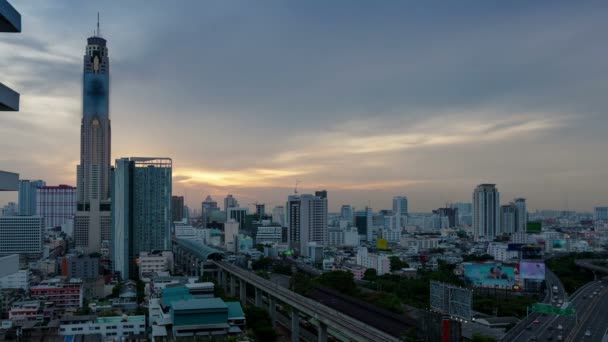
column 532, row 270
column 451, row 300
column 534, row 227
column 490, row 275
column 558, row 244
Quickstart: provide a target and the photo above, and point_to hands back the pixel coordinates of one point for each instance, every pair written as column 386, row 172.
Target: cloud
column 245, row 178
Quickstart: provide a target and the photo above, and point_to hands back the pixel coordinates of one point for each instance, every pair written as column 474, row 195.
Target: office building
column 10, row 209
column 465, row 213
column 177, row 208
column 141, row 210
column 379, row 262
column 231, row 231
column 56, row 204
column 155, row 262
column 92, row 222
column 400, row 206
column 307, row 220
column 21, row 235
column 238, row 214
column 208, row 207
column 17, row 280
column 347, row 213
column 65, row 294
column 260, row 210
column 364, row 221
column 486, row 212
column 521, row 214
column 230, row 202
column 278, row 215
column 448, row 217
column 269, row 235
column 508, row 218
column 28, row 190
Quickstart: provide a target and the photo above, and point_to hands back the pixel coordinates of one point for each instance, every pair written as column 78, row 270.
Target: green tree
column 397, row 263
column 370, row 274
column 140, row 288
column 481, row 338
column 301, row 283
column 260, row 324
column 341, row 281
column 116, row 290
column 261, row 264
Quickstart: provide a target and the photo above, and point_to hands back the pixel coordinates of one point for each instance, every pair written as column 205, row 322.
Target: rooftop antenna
column 98, row 31
column 295, row 190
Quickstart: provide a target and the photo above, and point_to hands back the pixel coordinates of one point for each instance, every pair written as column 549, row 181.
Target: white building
column 188, row 232
column 391, row 235
column 9, row 264
column 521, row 214
column 155, row 262
column 269, row 235
column 21, row 235
column 378, row 262
column 231, row 231
column 419, row 243
column 486, row 212
column 278, row 215
column 500, row 251
column 17, row 280
column 27, row 196
column 9, row 209
column 307, row 220
column 56, row 204
column 107, row 327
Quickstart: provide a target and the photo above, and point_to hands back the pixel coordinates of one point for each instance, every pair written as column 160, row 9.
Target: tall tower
column 92, row 221
column 486, row 212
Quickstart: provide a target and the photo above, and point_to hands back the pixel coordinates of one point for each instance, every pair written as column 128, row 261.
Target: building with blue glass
column 141, row 210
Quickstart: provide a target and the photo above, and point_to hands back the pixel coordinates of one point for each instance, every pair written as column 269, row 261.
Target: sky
column 368, row 100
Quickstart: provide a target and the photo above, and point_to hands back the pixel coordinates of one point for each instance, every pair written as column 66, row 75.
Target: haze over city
column 367, row 102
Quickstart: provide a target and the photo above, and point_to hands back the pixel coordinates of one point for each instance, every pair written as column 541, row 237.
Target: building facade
column 307, row 221
column 230, row 202
column 508, row 219
column 56, row 204
column 177, row 208
column 80, row 266
column 486, row 212
column 141, row 210
column 278, row 215
column 28, row 190
column 521, row 214
column 21, row 235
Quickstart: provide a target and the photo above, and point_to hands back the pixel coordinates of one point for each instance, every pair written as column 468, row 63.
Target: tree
column 481, row 338
column 301, row 283
column 116, row 290
column 397, row 263
column 260, row 323
column 341, row 281
column 140, row 288
column 370, row 274
column 261, row 264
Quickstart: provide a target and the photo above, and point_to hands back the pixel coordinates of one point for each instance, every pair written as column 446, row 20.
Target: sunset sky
column 368, row 100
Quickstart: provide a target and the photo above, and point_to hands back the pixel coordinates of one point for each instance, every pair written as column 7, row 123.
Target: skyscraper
column 27, row 196
column 230, row 202
column 207, row 207
column 400, row 206
column 92, row 220
column 141, row 210
column 307, row 221
column 278, row 215
column 521, row 215
column 347, row 214
column 177, row 208
column 508, row 218
column 486, row 212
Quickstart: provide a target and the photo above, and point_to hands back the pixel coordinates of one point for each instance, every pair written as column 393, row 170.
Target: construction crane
column 295, row 190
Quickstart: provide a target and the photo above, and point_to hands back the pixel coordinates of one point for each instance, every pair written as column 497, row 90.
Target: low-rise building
column 155, row 262
column 80, row 266
column 114, row 327
column 66, row 295
column 18, row 280
column 357, row 270
column 379, row 262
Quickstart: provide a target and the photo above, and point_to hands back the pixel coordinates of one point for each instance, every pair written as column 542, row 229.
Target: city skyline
column 371, row 110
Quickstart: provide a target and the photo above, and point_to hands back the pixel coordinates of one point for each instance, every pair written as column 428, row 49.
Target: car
column 588, row 332
column 559, row 327
column 536, row 321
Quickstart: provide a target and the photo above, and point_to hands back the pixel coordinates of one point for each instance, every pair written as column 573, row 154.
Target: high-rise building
column 231, row 231
column 278, row 215
column 521, row 215
column 400, row 206
column 207, row 207
column 10, row 209
column 230, row 202
column 508, row 219
column 260, row 210
column 92, row 222
column 307, row 221
column 601, row 214
column 141, row 210
column 21, row 235
column 27, row 196
column 177, row 208
column 237, row 214
column 364, row 221
column 449, row 215
column 486, row 212
column 465, row 213
column 56, row 204
column 347, row 214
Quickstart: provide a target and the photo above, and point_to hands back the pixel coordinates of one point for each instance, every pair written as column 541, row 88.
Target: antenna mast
column 98, row 31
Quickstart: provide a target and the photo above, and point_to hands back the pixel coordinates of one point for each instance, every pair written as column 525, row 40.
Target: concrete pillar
column 322, row 333
column 295, row 325
column 232, row 286
column 258, row 297
column 272, row 309
column 243, row 292
column 225, row 282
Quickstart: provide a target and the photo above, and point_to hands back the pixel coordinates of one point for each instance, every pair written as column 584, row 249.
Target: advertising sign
column 451, row 300
column 559, row 244
column 490, row 275
column 532, row 270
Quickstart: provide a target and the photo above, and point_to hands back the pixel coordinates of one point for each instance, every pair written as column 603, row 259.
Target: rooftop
column 202, row 303
column 235, row 310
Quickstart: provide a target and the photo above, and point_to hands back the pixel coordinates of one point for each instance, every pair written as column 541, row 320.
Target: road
column 525, row 330
column 584, row 305
column 594, row 321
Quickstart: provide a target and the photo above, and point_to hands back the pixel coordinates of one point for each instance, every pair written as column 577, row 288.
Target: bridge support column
column 322, row 333
column 258, row 297
column 243, row 292
column 295, row 325
column 220, row 276
column 232, row 285
column 272, row 309
column 225, row 282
